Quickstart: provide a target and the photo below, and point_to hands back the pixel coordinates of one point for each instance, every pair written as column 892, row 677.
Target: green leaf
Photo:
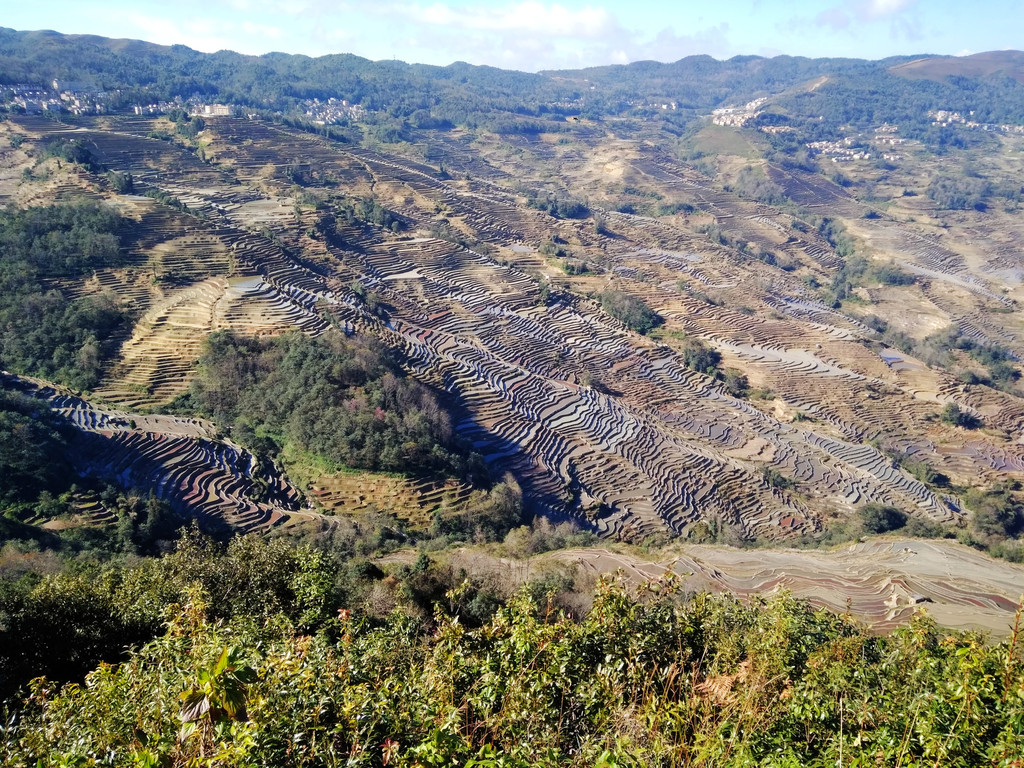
column 233, row 702
column 187, row 730
column 222, row 662
column 246, row 675
column 194, row 704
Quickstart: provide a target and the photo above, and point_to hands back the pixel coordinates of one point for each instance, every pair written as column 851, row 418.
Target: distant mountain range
column 474, row 96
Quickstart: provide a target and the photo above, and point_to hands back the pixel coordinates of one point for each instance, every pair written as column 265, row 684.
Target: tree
column 32, row 457
column 879, row 518
column 699, row 357
column 629, row 310
column 736, row 384
column 959, row 193
column 997, row 514
column 952, row 414
column 122, row 183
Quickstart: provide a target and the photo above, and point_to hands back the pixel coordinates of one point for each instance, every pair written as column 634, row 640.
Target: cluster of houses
column 159, row 107
column 213, row 110
column 61, row 96
column 853, row 148
column 842, row 151
column 81, row 99
column 885, row 136
column 947, row 117
column 737, row 117
column 332, row 111
column 199, row 110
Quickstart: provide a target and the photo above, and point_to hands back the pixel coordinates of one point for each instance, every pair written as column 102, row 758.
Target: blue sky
column 536, row 34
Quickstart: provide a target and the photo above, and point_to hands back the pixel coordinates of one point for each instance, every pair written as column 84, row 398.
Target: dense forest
column 345, row 400
column 42, row 333
column 32, row 451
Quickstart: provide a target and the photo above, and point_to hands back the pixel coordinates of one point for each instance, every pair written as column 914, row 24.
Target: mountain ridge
column 1007, row 63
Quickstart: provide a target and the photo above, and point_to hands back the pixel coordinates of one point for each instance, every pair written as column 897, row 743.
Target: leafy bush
column 890, row 274
column 735, row 383
column 776, row 479
column 71, row 151
column 835, row 233
column 486, row 516
column 63, row 624
column 551, row 248
column 630, row 310
column 560, row 208
column 122, row 183
column 754, row 185
column 640, row 679
column 166, row 198
column 952, row 414
column 997, row 514
column 698, row 356
column 186, row 125
column 369, row 210
column 959, row 193
column 879, row 518
column 574, row 267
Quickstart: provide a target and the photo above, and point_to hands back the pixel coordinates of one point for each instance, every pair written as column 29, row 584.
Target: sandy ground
column 882, row 582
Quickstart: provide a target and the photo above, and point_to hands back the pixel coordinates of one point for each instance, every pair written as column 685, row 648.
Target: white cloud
column 876, row 9
column 262, row 30
column 529, row 35
column 533, row 36
column 531, row 17
column 207, row 35
column 843, row 15
column 837, row 18
column 195, row 34
column 510, row 51
column 280, row 7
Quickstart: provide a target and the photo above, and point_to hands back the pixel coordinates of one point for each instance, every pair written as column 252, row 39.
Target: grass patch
column 723, row 140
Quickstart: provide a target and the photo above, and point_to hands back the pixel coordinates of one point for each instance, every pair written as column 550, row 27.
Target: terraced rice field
column 179, row 459
column 596, row 422
column 414, row 500
column 882, row 582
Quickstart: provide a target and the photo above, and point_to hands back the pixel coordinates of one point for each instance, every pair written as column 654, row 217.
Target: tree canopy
column 344, row 399
column 42, row 332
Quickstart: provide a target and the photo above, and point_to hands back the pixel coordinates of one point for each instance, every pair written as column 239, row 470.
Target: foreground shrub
column 642, row 679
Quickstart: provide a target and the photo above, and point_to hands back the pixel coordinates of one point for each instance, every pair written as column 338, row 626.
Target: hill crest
column 986, row 64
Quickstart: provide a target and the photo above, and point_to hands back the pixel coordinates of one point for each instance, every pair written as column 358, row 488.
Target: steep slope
column 595, row 420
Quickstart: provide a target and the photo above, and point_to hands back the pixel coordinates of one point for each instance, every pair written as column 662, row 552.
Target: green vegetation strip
column 257, row 659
